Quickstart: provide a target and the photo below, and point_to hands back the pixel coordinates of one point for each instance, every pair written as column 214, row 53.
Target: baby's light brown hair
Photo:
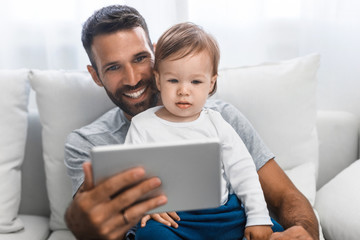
column 184, row 39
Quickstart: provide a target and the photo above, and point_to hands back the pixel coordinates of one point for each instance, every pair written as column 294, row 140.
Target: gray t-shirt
column 111, row 128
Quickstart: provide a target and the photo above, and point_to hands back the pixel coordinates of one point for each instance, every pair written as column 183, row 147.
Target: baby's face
column 185, row 85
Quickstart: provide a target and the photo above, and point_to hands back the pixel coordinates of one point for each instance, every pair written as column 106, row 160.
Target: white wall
column 251, row 32
column 46, row 35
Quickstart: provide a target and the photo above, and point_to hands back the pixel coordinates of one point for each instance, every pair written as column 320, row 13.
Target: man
column 117, row 42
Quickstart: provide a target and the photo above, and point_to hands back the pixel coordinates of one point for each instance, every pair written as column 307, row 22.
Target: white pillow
column 279, row 99
column 337, row 203
column 14, row 95
column 66, row 100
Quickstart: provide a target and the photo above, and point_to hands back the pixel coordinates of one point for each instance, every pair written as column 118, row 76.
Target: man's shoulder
column 219, row 105
column 228, row 111
column 109, row 125
column 104, row 123
column 233, row 116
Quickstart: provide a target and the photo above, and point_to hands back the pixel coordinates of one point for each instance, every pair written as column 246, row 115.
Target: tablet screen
column 189, row 170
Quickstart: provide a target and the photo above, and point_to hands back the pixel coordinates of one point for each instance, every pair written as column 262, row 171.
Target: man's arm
column 95, row 214
column 291, row 208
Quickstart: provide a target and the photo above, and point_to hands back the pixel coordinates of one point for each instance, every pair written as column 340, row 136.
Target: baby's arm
column 167, row 218
column 241, row 172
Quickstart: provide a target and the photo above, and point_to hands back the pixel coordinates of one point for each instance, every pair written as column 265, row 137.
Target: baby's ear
column 157, row 79
column 213, row 79
column 213, row 84
column 154, row 46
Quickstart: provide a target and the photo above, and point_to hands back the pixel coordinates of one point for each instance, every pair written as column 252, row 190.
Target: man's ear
column 154, row 46
column 157, row 79
column 94, row 75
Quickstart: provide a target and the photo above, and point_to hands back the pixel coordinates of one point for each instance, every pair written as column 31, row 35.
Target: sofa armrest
column 338, row 134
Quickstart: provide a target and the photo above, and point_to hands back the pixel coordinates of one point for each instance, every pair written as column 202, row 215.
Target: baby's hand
column 165, row 218
column 261, row 232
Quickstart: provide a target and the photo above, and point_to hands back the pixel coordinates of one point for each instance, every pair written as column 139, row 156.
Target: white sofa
column 324, row 167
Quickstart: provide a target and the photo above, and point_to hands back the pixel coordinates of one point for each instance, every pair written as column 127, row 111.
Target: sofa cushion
column 14, row 95
column 337, row 203
column 279, row 99
column 36, row 228
column 66, row 100
column 338, row 139
column 62, row 235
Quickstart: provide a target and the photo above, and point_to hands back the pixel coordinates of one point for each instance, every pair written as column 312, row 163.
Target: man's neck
column 129, row 117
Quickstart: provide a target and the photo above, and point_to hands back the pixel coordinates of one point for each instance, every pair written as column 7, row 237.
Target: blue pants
column 225, row 222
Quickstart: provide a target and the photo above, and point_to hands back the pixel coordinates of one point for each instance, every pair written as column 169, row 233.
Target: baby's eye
column 173, row 80
column 195, row 81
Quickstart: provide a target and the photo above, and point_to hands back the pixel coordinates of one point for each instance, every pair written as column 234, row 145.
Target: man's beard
column 133, row 109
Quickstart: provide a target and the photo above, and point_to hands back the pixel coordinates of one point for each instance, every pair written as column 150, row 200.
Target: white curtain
column 45, row 34
column 254, row 31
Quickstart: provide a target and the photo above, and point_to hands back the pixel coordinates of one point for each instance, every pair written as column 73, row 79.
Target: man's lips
column 136, row 94
column 183, row 105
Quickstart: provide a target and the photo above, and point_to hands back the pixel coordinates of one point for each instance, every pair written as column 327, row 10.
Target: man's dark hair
column 111, row 19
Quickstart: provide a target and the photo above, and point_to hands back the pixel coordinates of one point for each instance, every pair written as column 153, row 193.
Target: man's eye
column 195, row 81
column 173, row 80
column 140, row 59
column 113, row 68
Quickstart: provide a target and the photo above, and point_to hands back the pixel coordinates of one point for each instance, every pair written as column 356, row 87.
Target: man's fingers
column 294, row 232
column 275, row 236
column 108, row 214
column 110, row 207
column 88, row 181
column 113, row 185
column 136, row 211
column 113, row 228
column 130, row 196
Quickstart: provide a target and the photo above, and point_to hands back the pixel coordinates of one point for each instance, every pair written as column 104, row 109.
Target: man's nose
column 130, row 75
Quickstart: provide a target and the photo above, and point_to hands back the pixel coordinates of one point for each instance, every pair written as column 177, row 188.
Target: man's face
column 124, row 61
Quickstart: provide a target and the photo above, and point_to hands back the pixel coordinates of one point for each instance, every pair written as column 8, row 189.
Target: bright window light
column 282, row 8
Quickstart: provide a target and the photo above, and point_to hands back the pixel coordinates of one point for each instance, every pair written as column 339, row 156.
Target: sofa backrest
column 34, row 197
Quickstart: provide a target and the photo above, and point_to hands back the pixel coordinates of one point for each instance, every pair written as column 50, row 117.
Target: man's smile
column 136, row 94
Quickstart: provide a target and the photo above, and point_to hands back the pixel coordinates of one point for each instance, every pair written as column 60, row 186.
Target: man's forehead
column 130, row 41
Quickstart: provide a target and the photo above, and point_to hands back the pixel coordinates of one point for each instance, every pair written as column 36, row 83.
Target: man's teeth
column 135, row 94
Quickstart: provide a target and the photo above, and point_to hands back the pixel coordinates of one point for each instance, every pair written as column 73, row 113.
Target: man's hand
column 295, row 233
column 257, row 232
column 95, row 214
column 168, row 219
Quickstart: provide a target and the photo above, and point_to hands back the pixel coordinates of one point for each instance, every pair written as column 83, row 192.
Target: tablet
column 189, row 170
